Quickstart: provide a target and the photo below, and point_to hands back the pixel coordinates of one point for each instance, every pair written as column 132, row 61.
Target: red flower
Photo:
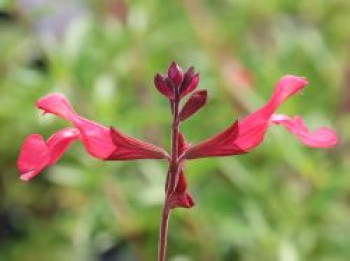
column 244, row 135
column 36, row 154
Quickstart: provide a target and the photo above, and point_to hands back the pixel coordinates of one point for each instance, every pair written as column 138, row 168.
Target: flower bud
column 163, row 86
column 190, row 82
column 193, row 104
column 175, row 74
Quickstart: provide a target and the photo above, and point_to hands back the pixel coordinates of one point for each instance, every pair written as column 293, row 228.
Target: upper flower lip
column 289, row 85
column 56, row 103
column 95, row 137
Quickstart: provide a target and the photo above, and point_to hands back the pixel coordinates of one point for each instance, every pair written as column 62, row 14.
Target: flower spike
column 111, row 144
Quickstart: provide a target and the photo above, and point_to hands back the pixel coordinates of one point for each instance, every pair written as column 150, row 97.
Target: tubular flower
column 246, row 134
column 36, row 154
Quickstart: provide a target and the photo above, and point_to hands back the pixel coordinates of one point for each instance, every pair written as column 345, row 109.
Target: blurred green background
column 281, row 202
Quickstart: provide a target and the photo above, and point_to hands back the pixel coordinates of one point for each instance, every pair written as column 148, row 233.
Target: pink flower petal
column 321, row 138
column 36, row 154
column 59, row 142
column 33, row 158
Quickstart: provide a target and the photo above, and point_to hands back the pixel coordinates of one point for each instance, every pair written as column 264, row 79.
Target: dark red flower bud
column 181, row 198
column 163, row 86
column 175, row 74
column 190, row 82
column 128, row 148
column 193, row 104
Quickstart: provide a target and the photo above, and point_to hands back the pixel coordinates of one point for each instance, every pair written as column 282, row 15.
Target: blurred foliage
column 281, row 202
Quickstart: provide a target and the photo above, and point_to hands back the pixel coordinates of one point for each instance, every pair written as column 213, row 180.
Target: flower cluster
column 176, row 81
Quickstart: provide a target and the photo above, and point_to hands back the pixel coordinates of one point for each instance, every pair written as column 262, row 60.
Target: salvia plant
column 111, row 144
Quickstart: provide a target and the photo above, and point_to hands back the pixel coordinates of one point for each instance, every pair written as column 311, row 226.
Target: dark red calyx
column 190, row 82
column 163, row 86
column 197, row 100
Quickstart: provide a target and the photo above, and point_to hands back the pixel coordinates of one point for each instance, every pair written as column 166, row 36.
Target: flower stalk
column 171, row 178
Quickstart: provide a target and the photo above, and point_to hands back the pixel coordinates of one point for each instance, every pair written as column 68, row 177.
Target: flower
column 99, row 141
column 246, row 134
